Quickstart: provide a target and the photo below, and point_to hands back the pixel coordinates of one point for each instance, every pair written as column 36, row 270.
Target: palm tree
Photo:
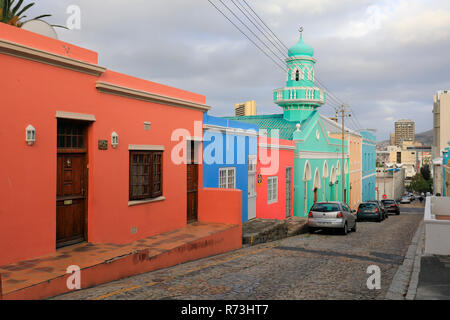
column 14, row 14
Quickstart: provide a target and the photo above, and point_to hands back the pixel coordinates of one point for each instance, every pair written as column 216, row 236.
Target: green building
column 319, row 171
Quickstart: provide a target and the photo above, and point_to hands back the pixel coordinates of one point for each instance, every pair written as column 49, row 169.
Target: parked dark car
column 381, row 205
column 370, row 211
column 391, row 206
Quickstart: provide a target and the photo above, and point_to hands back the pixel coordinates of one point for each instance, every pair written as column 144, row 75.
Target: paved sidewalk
column 434, row 278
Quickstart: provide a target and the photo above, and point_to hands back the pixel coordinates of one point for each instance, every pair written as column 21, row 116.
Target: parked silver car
column 331, row 215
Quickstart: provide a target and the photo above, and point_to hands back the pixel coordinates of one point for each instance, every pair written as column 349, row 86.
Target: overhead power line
column 276, row 49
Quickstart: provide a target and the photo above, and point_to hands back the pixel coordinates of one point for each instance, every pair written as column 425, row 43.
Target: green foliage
column 419, row 184
column 12, row 13
column 425, row 172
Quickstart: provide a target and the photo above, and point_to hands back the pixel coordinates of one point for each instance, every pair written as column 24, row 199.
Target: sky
column 384, row 59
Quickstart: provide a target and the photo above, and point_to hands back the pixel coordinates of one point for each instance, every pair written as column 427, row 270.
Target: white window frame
column 252, row 161
column 227, row 170
column 270, row 184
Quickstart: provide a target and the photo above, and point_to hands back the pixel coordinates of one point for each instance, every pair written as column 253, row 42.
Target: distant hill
column 426, row 138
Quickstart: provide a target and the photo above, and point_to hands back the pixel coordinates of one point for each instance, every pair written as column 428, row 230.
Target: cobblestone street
column 323, row 265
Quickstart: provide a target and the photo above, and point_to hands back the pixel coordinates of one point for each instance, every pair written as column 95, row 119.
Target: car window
column 347, row 208
column 388, row 201
column 326, row 207
column 369, row 205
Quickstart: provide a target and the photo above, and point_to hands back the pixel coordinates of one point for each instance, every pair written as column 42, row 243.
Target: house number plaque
column 103, row 144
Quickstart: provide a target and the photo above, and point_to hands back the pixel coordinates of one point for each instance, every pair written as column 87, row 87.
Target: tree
column 425, row 172
column 419, row 184
column 13, row 14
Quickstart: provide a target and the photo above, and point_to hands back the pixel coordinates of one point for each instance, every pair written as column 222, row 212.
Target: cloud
column 384, row 58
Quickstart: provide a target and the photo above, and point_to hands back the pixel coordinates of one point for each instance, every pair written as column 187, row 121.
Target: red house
column 92, row 157
column 275, row 178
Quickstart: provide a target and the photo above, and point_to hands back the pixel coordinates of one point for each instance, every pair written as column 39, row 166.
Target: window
column 251, row 164
column 227, row 178
column 70, row 135
column 272, row 190
column 145, row 175
column 325, row 207
column 297, row 75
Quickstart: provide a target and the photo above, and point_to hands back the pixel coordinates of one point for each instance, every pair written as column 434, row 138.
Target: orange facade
column 45, row 81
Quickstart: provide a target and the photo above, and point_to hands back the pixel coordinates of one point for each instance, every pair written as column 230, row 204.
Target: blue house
column 369, row 150
column 229, row 159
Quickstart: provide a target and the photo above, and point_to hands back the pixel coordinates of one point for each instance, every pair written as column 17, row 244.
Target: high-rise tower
column 299, row 97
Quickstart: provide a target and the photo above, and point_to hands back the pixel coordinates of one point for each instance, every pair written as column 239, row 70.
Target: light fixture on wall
column 147, row 125
column 30, row 135
column 114, row 139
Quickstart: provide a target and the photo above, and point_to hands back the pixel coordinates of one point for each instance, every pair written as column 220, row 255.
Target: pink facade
column 278, row 176
column 44, row 81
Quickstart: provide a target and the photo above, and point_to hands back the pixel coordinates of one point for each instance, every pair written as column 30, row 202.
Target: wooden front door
column 192, row 186
column 71, row 194
column 315, row 195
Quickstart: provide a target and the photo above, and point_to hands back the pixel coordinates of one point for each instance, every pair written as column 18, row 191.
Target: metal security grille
column 288, row 192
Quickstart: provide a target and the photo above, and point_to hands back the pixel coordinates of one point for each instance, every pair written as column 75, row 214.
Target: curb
column 404, row 283
column 414, row 282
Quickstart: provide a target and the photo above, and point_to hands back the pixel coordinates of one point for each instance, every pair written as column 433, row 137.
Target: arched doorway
column 317, row 184
column 324, row 176
column 306, row 178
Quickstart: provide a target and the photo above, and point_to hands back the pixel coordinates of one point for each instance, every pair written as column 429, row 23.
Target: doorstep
column 46, row 276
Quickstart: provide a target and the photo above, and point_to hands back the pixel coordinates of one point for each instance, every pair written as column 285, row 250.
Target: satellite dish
column 40, row 27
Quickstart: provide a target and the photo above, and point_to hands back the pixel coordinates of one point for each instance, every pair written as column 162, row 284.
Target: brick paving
column 323, row 265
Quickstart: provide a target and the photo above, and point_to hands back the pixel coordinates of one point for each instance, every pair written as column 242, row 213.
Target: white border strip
column 75, row 116
column 143, row 147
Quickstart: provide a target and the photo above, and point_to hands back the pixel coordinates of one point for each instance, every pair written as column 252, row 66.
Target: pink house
column 275, row 178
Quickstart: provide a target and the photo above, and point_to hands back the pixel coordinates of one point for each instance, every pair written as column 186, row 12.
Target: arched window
column 297, row 75
column 325, row 169
column 307, row 172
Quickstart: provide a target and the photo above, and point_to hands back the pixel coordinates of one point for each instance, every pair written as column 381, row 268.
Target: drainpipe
column 1, row 292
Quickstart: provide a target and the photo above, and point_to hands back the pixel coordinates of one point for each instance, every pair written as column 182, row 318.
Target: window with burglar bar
column 227, row 178
column 145, row 175
column 272, row 190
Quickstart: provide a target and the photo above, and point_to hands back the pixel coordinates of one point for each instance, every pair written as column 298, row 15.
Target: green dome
column 301, row 49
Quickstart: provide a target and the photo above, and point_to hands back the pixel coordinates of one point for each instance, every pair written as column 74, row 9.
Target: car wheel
column 397, row 213
column 345, row 229
column 354, row 228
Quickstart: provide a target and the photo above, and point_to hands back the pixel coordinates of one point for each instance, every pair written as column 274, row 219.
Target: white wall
column 437, row 232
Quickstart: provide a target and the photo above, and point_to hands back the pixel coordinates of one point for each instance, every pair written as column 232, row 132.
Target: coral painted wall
column 34, row 92
column 281, row 157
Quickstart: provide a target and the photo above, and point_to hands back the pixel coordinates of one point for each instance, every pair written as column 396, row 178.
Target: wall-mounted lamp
column 114, row 140
column 147, row 125
column 30, row 135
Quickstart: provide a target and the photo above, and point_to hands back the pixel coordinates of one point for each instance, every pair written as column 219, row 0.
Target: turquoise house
column 319, row 172
column 445, row 170
column 369, row 156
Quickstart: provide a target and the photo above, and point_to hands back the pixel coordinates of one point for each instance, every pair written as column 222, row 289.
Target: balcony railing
column 299, row 94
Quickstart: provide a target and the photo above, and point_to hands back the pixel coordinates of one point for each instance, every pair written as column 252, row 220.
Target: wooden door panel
column 192, row 192
column 70, row 200
column 70, row 221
